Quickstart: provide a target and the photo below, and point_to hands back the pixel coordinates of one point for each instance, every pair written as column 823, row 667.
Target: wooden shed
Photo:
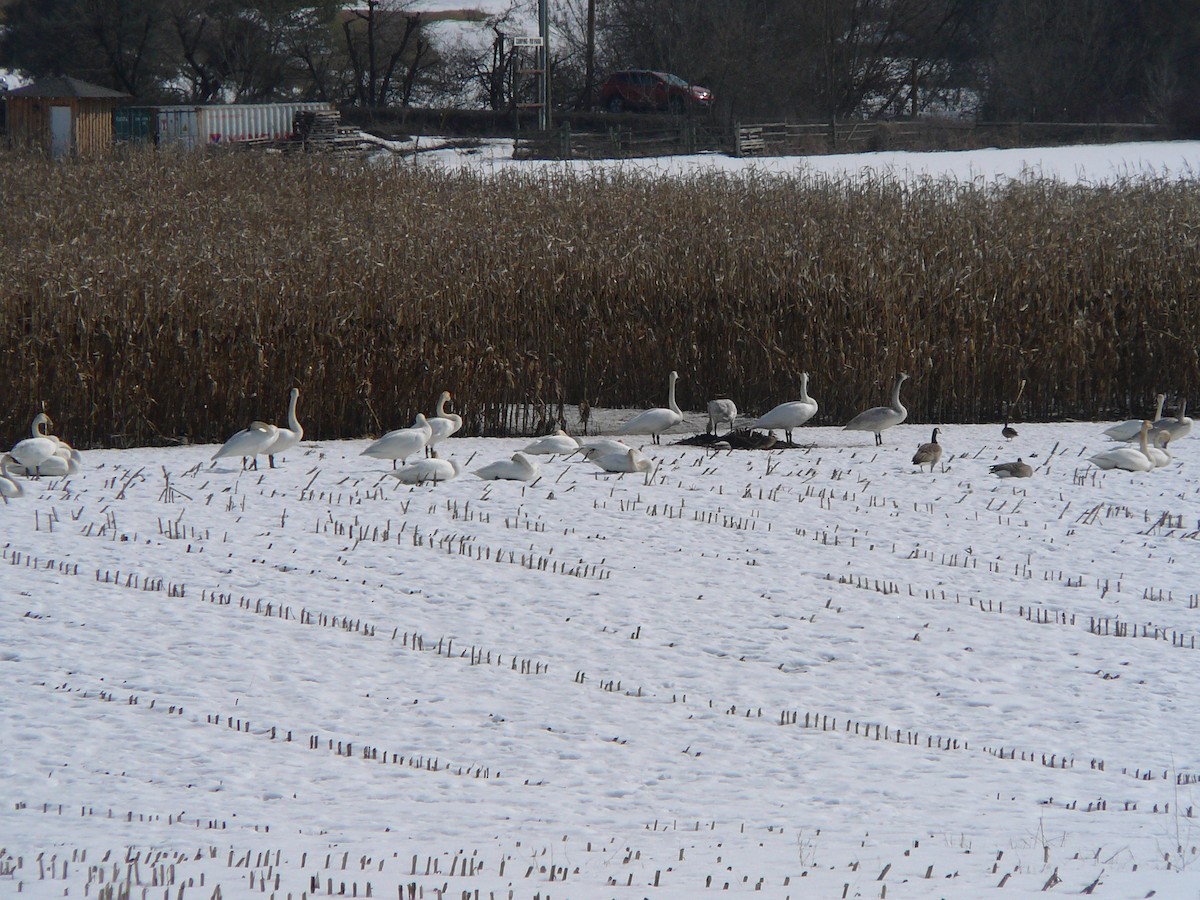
column 64, row 115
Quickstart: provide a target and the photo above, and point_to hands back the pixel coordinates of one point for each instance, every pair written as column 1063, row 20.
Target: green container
column 134, row 123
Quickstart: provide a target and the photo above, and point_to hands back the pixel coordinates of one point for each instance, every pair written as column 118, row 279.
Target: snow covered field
column 797, row 673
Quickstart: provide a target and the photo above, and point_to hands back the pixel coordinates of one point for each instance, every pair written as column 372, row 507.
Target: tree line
column 996, row 60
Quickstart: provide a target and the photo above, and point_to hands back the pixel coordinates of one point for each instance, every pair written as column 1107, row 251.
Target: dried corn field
column 155, row 298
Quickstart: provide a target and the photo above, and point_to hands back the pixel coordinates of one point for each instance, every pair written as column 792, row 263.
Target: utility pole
column 544, row 59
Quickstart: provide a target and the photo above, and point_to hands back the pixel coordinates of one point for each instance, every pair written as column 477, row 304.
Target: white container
column 251, row 121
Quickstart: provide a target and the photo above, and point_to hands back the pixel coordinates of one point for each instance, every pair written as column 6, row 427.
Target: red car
column 643, row 89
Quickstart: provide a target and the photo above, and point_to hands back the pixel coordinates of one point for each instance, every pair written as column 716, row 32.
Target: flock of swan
column 45, row 454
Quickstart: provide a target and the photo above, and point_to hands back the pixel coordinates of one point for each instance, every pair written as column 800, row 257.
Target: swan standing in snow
column 1131, row 428
column 928, row 454
column 442, row 425
column 721, row 410
column 655, row 421
column 425, row 471
column 879, row 418
column 551, row 444
column 519, row 468
column 287, row 438
column 1018, row 469
column 631, row 461
column 1177, row 427
column 401, row 443
column 792, row 414
column 249, row 442
column 1127, row 458
column 9, row 486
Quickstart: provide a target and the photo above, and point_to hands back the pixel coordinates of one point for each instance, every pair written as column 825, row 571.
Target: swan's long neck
column 1182, row 411
column 1162, row 398
column 293, row 422
column 671, row 394
column 39, row 427
column 896, row 405
column 804, row 398
column 1142, row 441
column 441, row 407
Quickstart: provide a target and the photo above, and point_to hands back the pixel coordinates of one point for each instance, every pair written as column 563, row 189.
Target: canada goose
column 879, row 418
column 928, row 454
column 1018, row 469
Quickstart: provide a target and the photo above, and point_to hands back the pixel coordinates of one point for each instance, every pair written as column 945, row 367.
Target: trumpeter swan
column 401, row 443
column 249, row 442
column 630, row 461
column 551, row 444
column 287, row 438
column 9, row 486
column 879, row 418
column 928, row 454
column 792, row 414
column 65, row 461
column 1157, row 450
column 1127, row 458
column 519, row 468
column 442, row 425
column 1130, row 428
column 1018, row 469
column 603, row 445
column 33, row 451
column 655, row 421
column 425, row 471
column 1179, row 426
column 721, row 410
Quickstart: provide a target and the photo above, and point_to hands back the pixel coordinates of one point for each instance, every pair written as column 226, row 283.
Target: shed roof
column 65, row 87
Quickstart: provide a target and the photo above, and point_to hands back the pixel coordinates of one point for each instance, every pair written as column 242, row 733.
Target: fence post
column 564, row 136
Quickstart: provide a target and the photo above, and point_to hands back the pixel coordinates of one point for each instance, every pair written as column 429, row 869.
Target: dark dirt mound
column 742, row 439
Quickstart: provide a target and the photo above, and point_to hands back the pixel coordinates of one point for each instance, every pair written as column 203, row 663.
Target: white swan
column 655, row 421
column 792, row 414
column 425, row 471
column 1127, row 458
column 928, row 454
column 442, row 425
column 1178, row 427
column 1157, row 450
column 401, row 443
column 33, row 451
column 287, row 438
column 65, row 461
column 879, row 418
column 721, row 410
column 558, row 443
column 1018, row 469
column 249, row 442
column 603, row 445
column 1130, row 428
column 519, row 468
column 9, row 486
column 631, row 461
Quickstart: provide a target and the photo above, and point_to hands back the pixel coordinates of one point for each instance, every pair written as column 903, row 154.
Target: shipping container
column 134, row 123
column 178, row 126
column 252, row 121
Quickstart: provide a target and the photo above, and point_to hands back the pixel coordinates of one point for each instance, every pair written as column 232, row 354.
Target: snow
column 811, row 672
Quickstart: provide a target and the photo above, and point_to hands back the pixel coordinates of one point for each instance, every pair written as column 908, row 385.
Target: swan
column 631, row 461
column 792, row 414
column 928, row 454
column 428, row 471
column 1179, row 426
column 550, row 444
column 287, row 438
column 65, row 461
column 519, row 468
column 878, row 418
column 33, row 451
column 401, row 443
column 721, row 410
column 1157, row 451
column 1127, row 458
column 656, row 421
column 442, row 425
column 1018, row 469
column 9, row 486
column 1130, row 428
column 604, row 445
column 250, row 442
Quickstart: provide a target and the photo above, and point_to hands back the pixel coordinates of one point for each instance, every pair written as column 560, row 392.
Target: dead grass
column 159, row 297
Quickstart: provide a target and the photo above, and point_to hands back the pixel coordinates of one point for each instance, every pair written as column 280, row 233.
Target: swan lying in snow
column 630, row 461
column 430, row 470
column 558, row 443
column 519, row 468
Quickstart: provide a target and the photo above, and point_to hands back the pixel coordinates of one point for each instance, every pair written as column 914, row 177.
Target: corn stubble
column 157, row 297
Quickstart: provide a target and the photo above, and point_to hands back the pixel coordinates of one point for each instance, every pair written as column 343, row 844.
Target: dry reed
column 157, row 297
